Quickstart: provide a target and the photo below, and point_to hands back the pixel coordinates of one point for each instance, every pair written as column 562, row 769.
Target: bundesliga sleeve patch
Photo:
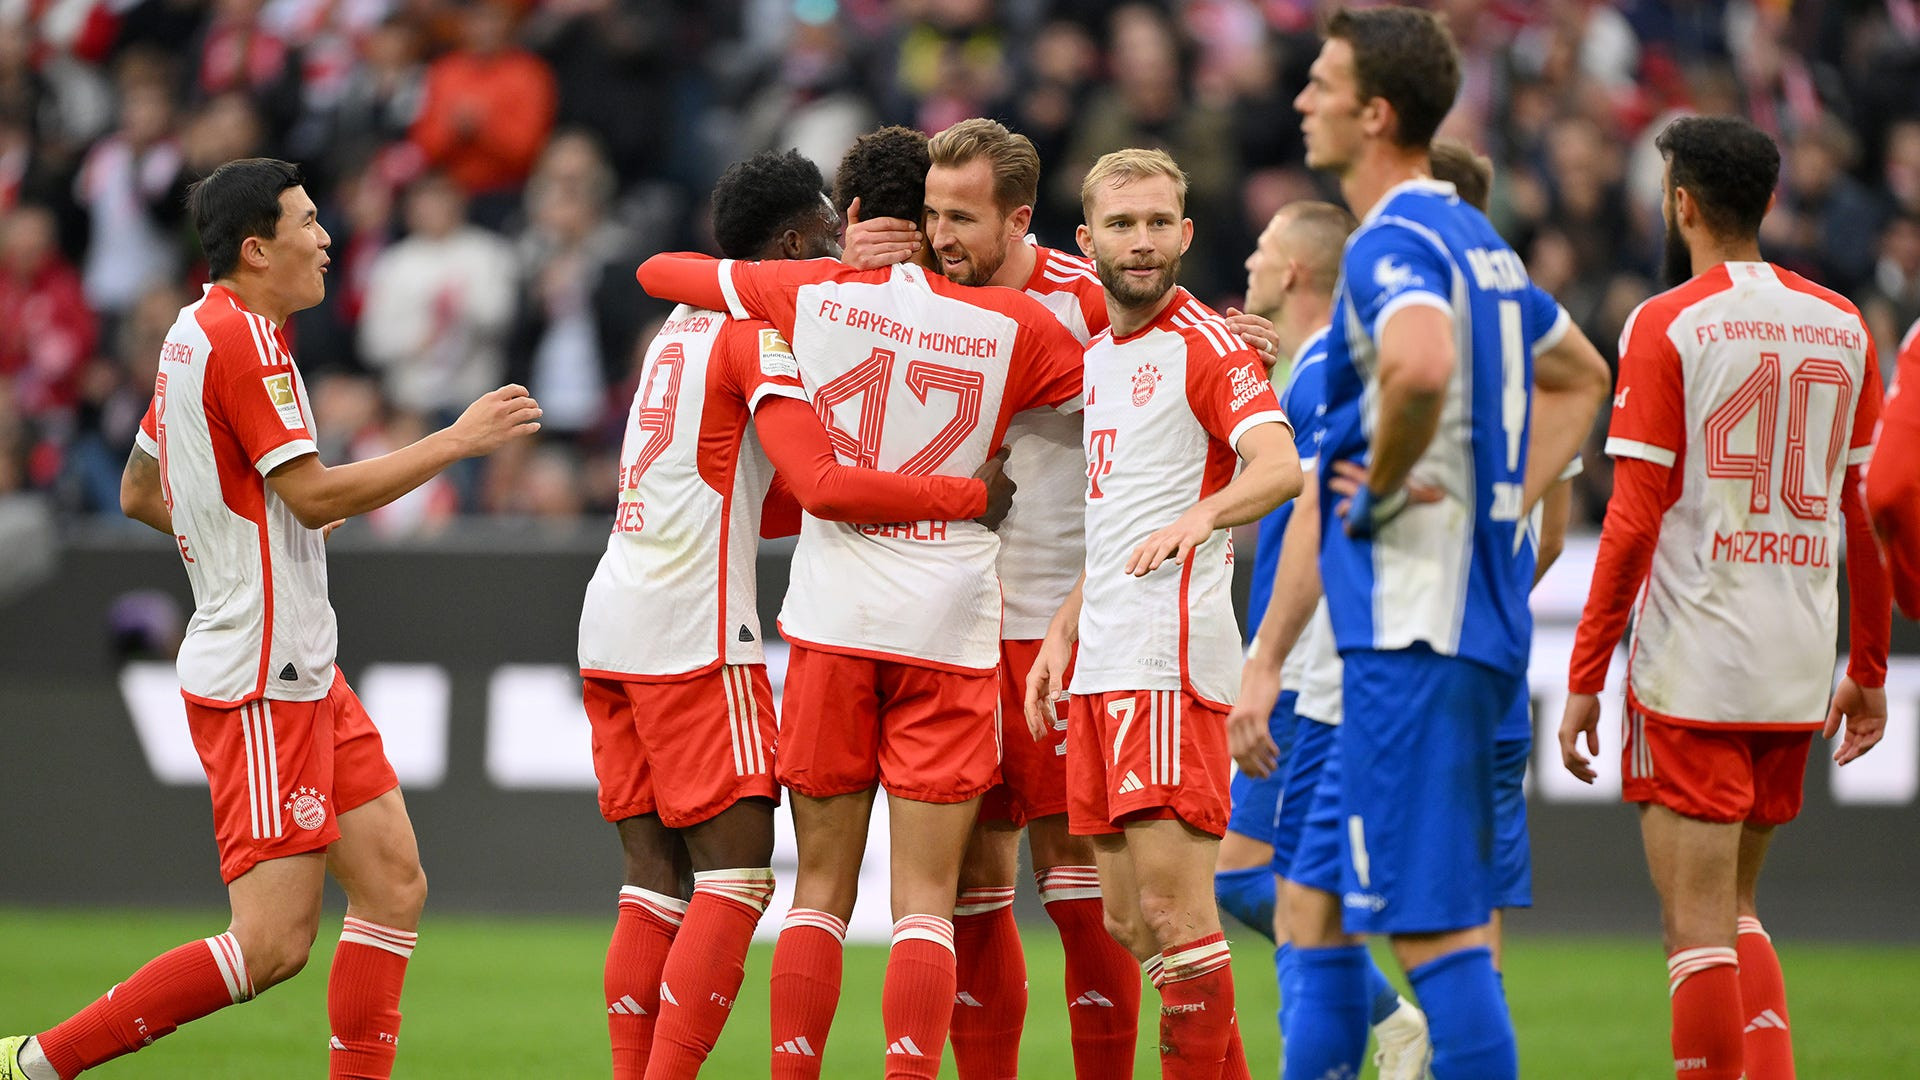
column 776, row 357
column 280, row 392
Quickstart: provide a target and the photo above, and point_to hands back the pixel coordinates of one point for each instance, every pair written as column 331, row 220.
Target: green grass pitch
column 514, row 997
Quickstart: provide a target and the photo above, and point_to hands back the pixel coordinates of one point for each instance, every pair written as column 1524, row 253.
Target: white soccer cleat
column 1404, row 1049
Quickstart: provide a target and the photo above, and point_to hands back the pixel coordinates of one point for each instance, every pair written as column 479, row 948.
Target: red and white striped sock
column 1704, row 985
column 635, row 957
column 1196, row 1009
column 990, row 999
column 916, row 1004
column 704, row 969
column 1103, row 978
column 363, row 999
column 1763, row 999
column 174, row 988
column 805, row 990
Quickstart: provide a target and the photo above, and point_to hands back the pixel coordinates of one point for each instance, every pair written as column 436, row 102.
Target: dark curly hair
column 758, row 199
column 887, row 171
column 1406, row 56
column 1727, row 165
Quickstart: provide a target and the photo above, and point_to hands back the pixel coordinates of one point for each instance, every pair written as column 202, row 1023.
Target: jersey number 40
column 1759, row 397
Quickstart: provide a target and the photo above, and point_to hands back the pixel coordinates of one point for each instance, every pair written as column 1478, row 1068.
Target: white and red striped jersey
column 914, row 374
column 674, row 594
column 1757, row 388
column 229, row 407
column 1165, row 409
column 1043, row 539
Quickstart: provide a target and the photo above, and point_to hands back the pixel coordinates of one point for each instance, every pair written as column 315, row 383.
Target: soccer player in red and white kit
column 894, row 628
column 1745, row 407
column 683, row 720
column 225, row 464
column 1173, row 396
column 1893, row 479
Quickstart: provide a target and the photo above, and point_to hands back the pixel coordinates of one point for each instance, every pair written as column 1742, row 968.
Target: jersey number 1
column 1759, row 397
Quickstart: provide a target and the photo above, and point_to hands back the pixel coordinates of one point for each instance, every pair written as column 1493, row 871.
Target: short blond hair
column 1126, row 166
column 1016, row 164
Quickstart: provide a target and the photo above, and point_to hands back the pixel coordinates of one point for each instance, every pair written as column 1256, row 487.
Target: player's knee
column 1131, row 932
column 277, row 954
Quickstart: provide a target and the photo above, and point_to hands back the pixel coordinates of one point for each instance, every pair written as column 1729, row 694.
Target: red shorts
column 849, row 722
column 1142, row 754
column 686, row 749
column 281, row 772
column 1033, row 774
column 1724, row 776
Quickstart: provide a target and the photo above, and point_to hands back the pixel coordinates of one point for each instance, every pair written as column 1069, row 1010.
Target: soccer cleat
column 10, row 1057
column 1404, row 1049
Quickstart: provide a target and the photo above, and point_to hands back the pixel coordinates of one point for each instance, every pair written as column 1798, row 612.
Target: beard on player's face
column 973, row 267
column 1676, row 261
column 1129, row 291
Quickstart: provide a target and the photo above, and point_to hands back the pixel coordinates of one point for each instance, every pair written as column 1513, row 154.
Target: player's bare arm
column 1557, row 510
column 1047, row 680
column 140, row 495
column 1570, row 384
column 1863, row 711
column 1582, row 717
column 1296, row 593
column 872, row 243
column 1416, row 363
column 319, row 495
column 1271, row 476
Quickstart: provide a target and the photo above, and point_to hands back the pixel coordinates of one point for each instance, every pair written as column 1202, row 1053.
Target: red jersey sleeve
column 745, row 290
column 1229, row 392
column 759, row 362
column 796, row 443
column 1893, row 479
column 252, row 386
column 1642, row 492
column 1649, row 403
column 1046, row 372
column 1869, row 600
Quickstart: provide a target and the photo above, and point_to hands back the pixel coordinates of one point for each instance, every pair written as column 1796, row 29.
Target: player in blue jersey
column 1427, row 375
column 1290, row 281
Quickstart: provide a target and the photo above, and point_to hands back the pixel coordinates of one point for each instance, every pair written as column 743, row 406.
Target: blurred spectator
column 1891, row 303
column 950, row 63
column 355, row 424
column 437, row 306
column 614, row 61
column 114, row 391
column 1824, row 222
column 376, row 108
column 807, row 100
column 133, row 187
column 223, row 129
column 47, row 332
column 487, row 111
column 359, row 219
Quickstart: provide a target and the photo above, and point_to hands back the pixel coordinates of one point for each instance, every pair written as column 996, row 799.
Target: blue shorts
column 1417, row 789
column 1319, row 854
column 1512, row 862
column 1312, row 743
column 1253, row 801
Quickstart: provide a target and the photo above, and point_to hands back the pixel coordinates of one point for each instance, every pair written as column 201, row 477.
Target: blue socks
column 1467, row 1017
column 1382, row 998
column 1324, row 1009
column 1247, row 895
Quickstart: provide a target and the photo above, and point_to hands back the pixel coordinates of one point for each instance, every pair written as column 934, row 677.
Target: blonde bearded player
column 980, row 193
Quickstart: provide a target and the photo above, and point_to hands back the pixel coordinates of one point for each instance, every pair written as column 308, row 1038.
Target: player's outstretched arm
column 1296, row 593
column 140, row 495
column 684, row 277
column 1046, row 681
column 797, row 445
column 319, row 495
column 1271, row 477
column 1570, row 384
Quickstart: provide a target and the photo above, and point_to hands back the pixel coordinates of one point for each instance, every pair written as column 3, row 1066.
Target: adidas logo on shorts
column 1131, row 783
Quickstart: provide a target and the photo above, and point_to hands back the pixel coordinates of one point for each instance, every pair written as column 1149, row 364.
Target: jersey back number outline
column 868, row 382
column 656, row 421
column 1759, row 395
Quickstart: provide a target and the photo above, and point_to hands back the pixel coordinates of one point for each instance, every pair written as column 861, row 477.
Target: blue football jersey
column 1449, row 574
column 1303, row 400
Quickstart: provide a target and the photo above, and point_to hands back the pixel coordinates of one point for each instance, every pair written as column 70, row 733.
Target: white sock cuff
column 750, row 888
column 983, row 901
column 1067, row 883
column 1750, row 925
column 1191, row 963
column 668, row 909
column 232, row 965
column 924, row 928
column 361, row 932
column 1687, row 963
column 818, row 920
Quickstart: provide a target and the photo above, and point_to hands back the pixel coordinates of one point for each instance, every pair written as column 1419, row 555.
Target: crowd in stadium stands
column 491, row 173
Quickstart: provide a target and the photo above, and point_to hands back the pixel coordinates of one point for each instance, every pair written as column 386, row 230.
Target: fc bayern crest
column 309, row 808
column 1144, row 381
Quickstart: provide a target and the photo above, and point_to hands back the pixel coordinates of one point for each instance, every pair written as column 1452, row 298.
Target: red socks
column 635, row 957
column 363, row 999
column 990, row 1005
column 1763, row 993
column 805, row 989
column 703, row 971
column 1103, row 978
column 1704, row 984
column 1196, row 1009
column 174, row 988
column 916, row 1004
